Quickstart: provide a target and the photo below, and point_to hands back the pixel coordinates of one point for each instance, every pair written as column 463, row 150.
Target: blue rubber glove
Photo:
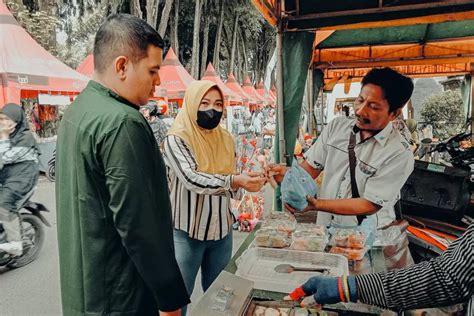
column 323, row 290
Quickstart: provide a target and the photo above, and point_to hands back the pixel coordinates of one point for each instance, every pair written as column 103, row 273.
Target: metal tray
column 258, row 264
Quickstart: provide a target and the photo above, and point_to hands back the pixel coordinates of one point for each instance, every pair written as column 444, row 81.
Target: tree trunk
column 135, row 9
column 234, row 43
column 245, row 66
column 205, row 41
column 152, row 12
column 217, row 46
column 197, row 24
column 165, row 15
column 174, row 36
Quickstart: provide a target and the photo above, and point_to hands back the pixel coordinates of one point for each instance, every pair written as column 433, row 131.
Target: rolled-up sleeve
column 384, row 187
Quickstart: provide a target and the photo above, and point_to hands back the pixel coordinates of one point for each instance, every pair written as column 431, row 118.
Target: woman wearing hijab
column 18, row 173
column 200, row 155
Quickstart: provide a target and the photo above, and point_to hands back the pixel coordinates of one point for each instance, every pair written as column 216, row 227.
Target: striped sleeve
column 182, row 161
column 445, row 280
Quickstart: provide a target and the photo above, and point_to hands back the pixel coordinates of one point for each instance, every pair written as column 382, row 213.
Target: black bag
column 436, row 191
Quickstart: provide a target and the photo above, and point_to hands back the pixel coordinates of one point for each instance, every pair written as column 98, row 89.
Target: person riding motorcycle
column 18, row 174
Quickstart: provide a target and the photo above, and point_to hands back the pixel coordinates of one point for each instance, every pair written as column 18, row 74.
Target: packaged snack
column 349, row 253
column 308, row 241
column 283, row 221
column 319, row 230
column 349, row 238
column 270, row 237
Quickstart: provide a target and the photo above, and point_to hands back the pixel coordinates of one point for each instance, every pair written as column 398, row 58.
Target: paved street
column 34, row 289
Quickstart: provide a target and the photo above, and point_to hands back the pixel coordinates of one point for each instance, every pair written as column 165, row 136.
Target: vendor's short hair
column 123, row 34
column 396, row 87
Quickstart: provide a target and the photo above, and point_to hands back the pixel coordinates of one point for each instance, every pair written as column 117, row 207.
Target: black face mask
column 209, row 119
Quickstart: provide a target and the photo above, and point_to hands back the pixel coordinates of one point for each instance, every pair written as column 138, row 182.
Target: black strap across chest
column 352, row 166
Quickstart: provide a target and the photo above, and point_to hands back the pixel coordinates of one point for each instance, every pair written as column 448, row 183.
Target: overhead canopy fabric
column 174, row 76
column 229, row 96
column 233, row 85
column 26, row 66
column 87, row 66
column 423, row 50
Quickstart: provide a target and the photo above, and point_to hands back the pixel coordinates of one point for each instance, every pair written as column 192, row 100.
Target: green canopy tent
column 339, row 41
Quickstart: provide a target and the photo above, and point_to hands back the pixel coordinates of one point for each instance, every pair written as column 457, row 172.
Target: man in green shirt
column 114, row 220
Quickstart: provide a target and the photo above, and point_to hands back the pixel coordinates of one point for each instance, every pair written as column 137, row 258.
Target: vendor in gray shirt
column 383, row 160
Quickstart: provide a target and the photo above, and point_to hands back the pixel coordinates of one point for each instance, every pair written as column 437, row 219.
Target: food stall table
column 373, row 262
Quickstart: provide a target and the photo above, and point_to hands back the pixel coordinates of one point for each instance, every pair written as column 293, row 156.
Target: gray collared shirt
column 384, row 163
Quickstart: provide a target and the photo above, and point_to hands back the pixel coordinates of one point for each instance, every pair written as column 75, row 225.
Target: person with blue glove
column 442, row 281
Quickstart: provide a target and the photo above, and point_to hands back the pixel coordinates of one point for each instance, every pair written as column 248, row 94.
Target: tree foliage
column 444, row 111
column 66, row 28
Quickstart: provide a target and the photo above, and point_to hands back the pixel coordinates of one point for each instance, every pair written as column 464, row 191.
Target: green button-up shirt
column 114, row 217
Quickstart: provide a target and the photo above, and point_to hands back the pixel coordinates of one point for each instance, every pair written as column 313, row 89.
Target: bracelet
column 341, row 292
column 345, row 286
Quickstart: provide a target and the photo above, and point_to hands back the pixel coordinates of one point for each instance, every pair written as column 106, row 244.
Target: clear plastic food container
column 349, row 253
column 348, row 238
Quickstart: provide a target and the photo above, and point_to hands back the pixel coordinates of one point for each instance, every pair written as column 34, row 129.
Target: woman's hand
column 251, row 181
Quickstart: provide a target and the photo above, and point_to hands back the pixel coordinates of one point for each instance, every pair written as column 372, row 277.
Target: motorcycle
column 32, row 232
column 437, row 213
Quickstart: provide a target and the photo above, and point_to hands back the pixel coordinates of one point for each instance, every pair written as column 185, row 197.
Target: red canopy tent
column 27, row 69
column 264, row 94
column 250, row 90
column 230, row 98
column 233, row 85
column 272, row 93
column 87, row 66
column 174, row 77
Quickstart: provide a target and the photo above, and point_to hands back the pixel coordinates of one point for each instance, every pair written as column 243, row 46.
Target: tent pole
column 280, row 101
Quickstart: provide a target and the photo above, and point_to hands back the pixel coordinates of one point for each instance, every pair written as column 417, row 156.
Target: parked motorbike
column 437, row 212
column 32, row 232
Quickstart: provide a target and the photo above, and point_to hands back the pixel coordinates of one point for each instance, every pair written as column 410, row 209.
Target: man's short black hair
column 123, row 34
column 396, row 87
